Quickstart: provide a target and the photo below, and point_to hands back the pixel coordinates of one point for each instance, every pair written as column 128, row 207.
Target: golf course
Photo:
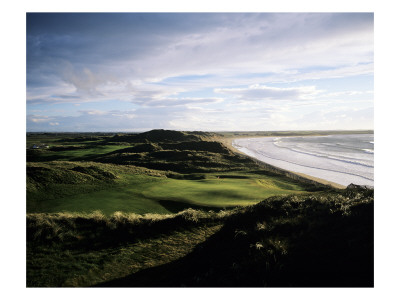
column 143, row 209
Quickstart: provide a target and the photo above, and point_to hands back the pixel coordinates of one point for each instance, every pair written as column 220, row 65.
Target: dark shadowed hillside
column 157, row 135
column 175, row 151
column 323, row 239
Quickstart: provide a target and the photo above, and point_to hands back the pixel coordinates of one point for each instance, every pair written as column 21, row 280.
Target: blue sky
column 197, row 71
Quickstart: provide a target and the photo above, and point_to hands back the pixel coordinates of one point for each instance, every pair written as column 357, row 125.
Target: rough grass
column 119, row 227
column 70, row 249
column 322, row 240
column 61, row 266
column 319, row 240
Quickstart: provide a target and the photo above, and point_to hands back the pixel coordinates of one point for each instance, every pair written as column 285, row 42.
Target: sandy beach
column 227, row 141
column 336, row 159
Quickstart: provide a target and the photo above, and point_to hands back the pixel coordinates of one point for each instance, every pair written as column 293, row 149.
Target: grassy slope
column 134, row 191
column 226, row 180
column 62, row 266
column 324, row 239
column 67, row 249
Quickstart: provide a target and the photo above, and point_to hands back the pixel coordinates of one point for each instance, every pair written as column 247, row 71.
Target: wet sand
column 227, row 142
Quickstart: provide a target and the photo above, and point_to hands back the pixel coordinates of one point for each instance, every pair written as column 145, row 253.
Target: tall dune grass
column 88, row 227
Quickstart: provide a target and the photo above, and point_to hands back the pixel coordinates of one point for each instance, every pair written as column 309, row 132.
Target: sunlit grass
column 141, row 193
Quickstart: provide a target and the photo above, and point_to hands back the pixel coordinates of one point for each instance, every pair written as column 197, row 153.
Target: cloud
column 155, row 70
column 348, row 93
column 169, row 102
column 259, row 116
column 87, row 120
column 261, row 92
column 92, row 112
column 38, row 119
column 144, row 94
column 337, row 118
column 116, row 48
column 272, row 43
column 84, row 80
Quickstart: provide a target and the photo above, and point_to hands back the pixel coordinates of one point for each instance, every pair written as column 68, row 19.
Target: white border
column 13, row 143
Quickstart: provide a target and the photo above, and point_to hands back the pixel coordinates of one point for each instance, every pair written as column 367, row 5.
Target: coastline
column 227, row 142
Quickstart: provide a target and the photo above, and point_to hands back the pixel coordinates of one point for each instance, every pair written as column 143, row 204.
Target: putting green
column 146, row 194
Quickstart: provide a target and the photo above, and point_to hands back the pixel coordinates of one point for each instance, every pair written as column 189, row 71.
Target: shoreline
column 227, row 142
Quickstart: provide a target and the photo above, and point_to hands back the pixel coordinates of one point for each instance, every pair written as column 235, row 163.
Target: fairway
column 159, row 172
column 144, row 194
column 217, row 192
column 80, row 154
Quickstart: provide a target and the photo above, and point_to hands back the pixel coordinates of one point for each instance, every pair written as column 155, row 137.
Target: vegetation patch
column 323, row 240
column 319, row 240
column 213, row 147
column 167, row 208
column 83, row 250
column 158, row 135
column 95, row 172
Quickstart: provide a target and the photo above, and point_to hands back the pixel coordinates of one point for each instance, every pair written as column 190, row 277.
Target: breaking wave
column 343, row 159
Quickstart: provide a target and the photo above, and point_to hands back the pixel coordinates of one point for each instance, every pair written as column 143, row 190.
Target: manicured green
column 150, row 194
column 80, row 154
column 219, row 192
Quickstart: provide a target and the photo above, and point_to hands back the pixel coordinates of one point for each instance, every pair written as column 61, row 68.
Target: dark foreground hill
column 323, row 239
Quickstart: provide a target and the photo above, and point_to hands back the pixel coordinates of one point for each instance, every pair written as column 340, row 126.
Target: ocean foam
column 368, row 151
column 341, row 159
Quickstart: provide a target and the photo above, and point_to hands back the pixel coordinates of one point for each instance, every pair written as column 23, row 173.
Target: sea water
column 342, row 159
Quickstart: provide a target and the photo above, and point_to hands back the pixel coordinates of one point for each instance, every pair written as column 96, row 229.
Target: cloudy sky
column 212, row 72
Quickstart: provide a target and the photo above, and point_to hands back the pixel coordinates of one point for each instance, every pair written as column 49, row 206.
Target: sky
column 199, row 71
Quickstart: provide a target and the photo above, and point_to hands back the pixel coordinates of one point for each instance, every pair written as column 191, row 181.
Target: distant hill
column 177, row 151
column 157, row 135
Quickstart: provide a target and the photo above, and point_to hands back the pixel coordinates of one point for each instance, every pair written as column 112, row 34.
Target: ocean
column 342, row 159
